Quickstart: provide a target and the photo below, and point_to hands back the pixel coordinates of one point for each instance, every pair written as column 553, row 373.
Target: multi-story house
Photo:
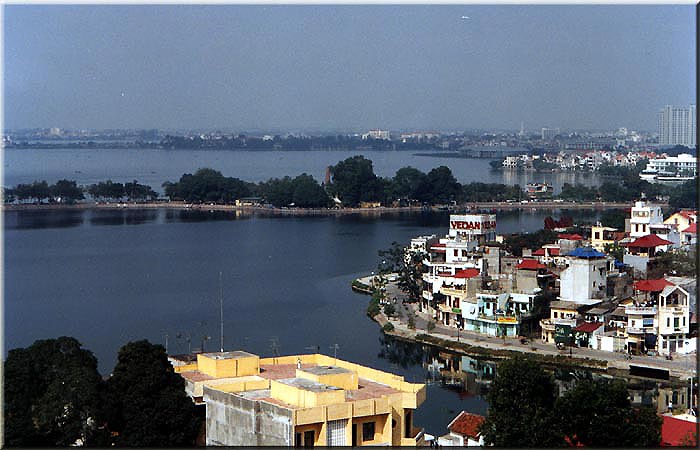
column 300, row 400
column 584, row 280
column 602, row 236
column 642, row 251
column 673, row 320
column 642, row 217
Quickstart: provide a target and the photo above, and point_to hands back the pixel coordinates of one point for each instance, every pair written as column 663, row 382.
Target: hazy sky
column 346, row 67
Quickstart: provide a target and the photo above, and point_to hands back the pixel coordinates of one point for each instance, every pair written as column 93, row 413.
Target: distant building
column 549, row 133
column 677, row 126
column 377, row 134
column 300, row 400
column 671, row 168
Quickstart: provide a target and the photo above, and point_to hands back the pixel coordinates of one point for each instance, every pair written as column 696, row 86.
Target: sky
column 356, row 67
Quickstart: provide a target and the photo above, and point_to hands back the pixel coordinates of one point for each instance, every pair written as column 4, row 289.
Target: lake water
column 110, row 276
column 154, row 167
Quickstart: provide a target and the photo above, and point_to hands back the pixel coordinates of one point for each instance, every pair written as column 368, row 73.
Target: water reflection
column 190, row 216
column 122, row 217
column 470, row 377
column 23, row 220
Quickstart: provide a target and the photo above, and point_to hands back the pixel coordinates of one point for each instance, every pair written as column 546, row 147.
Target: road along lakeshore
column 491, row 347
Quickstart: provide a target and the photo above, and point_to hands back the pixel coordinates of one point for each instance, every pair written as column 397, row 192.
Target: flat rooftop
column 229, row 355
column 325, row 370
column 308, row 385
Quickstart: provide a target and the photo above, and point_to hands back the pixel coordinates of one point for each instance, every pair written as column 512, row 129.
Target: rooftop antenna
column 221, row 308
column 275, row 346
column 316, row 348
column 335, row 348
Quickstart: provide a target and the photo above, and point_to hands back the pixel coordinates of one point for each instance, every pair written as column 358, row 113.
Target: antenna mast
column 221, row 307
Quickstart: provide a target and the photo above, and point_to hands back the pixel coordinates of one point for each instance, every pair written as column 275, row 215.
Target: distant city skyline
column 332, row 67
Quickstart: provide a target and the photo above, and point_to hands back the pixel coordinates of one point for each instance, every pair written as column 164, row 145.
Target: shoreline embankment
column 474, row 206
column 491, row 347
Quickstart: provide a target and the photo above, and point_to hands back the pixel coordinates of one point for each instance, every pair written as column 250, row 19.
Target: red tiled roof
column 530, row 264
column 553, row 251
column 677, row 432
column 652, row 285
column 466, row 424
column 693, row 228
column 571, row 237
column 688, row 213
column 439, row 248
column 588, row 327
column 467, row 273
column 648, row 241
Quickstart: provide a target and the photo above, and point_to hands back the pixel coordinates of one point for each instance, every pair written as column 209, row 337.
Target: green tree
column 389, row 310
column 406, row 183
column 135, row 191
column 440, row 186
column 147, row 399
column 106, row 190
column 307, row 193
column 354, row 181
column 207, row 185
column 52, row 395
column 521, row 407
column 515, row 243
column 685, row 195
column 598, row 413
column 67, row 190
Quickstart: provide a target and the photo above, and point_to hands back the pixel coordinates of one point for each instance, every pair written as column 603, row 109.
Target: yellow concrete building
column 300, row 400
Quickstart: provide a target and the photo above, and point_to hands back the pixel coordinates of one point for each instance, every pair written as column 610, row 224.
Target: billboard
column 562, row 334
column 472, row 223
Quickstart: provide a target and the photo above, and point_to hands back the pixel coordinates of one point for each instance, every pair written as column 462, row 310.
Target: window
column 675, row 322
column 309, row 438
column 683, row 321
column 368, row 431
column 555, row 314
column 668, row 322
column 597, row 235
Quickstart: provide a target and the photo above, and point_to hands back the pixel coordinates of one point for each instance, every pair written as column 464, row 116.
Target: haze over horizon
column 346, row 67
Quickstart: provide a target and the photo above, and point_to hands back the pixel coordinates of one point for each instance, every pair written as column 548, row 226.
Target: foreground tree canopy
column 147, row 403
column 54, row 396
column 524, row 411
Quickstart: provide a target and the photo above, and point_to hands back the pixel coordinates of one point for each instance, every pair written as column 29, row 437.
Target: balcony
column 636, row 330
column 641, row 310
column 417, row 438
column 562, row 321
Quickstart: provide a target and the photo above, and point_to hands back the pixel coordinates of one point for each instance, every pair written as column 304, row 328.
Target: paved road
column 681, row 366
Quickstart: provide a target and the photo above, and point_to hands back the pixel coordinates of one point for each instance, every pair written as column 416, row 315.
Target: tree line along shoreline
column 350, row 183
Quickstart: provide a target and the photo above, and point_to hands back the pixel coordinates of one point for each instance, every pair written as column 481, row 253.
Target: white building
column 549, row 133
column 671, row 168
column 377, row 134
column 584, row 280
column 478, row 228
column 464, row 431
column 673, row 320
column 677, row 126
column 642, row 217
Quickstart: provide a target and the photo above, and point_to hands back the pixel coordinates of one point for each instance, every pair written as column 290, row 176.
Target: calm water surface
column 153, row 167
column 108, row 277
